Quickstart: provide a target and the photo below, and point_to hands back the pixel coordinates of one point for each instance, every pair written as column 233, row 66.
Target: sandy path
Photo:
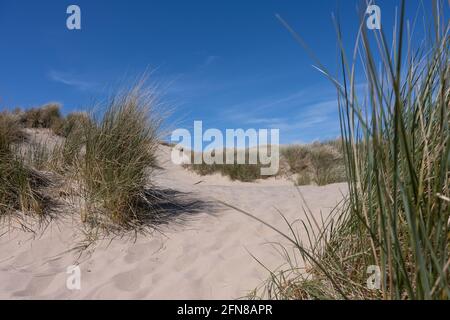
column 205, row 257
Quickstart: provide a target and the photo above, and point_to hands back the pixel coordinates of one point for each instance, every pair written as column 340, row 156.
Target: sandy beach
column 225, row 150
column 204, row 253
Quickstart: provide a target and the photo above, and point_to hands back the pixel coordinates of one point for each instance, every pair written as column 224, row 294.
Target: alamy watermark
column 373, row 21
column 237, row 146
column 374, row 17
column 73, row 21
column 374, row 280
column 73, row 281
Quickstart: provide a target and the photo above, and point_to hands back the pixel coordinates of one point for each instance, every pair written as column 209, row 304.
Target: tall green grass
column 119, row 154
column 397, row 156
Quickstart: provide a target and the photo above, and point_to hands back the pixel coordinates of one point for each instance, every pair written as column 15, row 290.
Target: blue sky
column 228, row 63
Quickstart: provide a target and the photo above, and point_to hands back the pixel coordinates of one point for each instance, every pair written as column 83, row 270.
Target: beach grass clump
column 391, row 239
column 245, row 172
column 19, row 188
column 19, row 184
column 73, row 123
column 48, row 117
column 297, row 157
column 10, row 132
column 120, row 152
column 68, row 152
column 303, row 179
column 37, row 154
column 327, row 165
column 321, row 163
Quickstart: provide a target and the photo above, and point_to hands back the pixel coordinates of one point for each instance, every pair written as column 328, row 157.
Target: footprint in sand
column 127, row 281
column 36, row 286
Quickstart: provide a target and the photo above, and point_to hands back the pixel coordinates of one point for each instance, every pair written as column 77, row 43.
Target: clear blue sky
column 228, row 63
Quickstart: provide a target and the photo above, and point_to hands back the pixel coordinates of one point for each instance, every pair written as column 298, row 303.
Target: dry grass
column 47, row 116
column 19, row 184
column 320, row 162
column 242, row 172
column 72, row 124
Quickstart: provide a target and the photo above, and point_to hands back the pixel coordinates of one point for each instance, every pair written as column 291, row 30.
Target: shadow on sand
column 162, row 206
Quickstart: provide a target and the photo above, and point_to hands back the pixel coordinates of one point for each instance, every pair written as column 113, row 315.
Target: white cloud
column 70, row 80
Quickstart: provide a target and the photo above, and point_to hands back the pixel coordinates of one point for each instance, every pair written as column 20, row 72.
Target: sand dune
column 204, row 255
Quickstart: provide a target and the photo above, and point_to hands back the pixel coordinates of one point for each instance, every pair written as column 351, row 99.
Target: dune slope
column 203, row 254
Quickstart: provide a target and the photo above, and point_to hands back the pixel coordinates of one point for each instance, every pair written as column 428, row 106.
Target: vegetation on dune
column 19, row 185
column 397, row 159
column 10, row 132
column 243, row 172
column 320, row 162
column 394, row 153
column 47, row 116
column 105, row 163
column 119, row 152
column 73, row 124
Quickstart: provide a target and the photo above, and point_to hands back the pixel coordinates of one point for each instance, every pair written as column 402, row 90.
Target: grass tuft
column 241, row 172
column 47, row 116
column 118, row 157
column 19, row 185
column 320, row 162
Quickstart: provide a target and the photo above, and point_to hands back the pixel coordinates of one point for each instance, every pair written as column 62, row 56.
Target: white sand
column 205, row 257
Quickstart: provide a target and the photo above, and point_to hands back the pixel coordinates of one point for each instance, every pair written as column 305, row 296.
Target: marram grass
column 19, row 184
column 397, row 158
column 119, row 152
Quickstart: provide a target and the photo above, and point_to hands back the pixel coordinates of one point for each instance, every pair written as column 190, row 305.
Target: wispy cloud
column 266, row 121
column 203, row 81
column 71, row 80
column 267, row 103
column 301, row 113
column 209, row 60
column 310, row 117
column 308, row 114
column 301, row 99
